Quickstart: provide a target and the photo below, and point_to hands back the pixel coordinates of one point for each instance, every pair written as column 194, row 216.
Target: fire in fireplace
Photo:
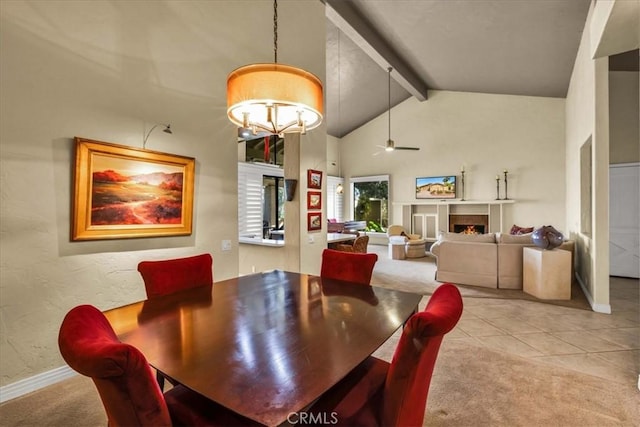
column 468, row 228
column 468, row 224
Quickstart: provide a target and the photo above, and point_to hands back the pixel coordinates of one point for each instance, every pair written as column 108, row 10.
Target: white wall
column 485, row 133
column 607, row 31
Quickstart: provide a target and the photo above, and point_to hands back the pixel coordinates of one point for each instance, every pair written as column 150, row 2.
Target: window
column 260, row 199
column 334, row 200
column 268, row 149
column 371, row 201
column 272, row 204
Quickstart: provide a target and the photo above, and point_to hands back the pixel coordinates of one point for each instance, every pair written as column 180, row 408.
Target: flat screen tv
column 436, row 187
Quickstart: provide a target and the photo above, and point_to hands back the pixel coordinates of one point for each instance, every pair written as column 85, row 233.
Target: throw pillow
column 520, row 230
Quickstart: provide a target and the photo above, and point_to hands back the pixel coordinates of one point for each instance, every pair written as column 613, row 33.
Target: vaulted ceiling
column 512, row 47
column 519, row 47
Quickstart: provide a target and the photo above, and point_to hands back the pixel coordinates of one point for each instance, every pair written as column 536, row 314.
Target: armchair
column 415, row 245
column 359, row 245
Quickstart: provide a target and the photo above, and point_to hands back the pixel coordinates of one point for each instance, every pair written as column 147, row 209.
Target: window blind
column 334, row 200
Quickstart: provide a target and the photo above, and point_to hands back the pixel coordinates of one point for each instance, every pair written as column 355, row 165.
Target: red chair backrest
column 409, row 376
column 348, row 266
column 168, row 276
column 122, row 375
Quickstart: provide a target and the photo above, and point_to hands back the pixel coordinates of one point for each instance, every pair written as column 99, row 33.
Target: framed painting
column 124, row 192
column 314, row 179
column 314, row 221
column 314, row 200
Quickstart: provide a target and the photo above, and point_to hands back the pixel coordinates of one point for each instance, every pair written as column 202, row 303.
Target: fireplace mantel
column 455, row 202
column 428, row 217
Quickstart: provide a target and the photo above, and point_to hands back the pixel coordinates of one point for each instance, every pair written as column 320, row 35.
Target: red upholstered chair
column 124, row 379
column 172, row 275
column 377, row 393
column 168, row 276
column 348, row 266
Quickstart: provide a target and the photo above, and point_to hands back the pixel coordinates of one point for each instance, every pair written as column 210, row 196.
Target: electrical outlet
column 226, row 245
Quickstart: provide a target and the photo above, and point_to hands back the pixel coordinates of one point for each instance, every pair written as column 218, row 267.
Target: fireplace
column 468, row 224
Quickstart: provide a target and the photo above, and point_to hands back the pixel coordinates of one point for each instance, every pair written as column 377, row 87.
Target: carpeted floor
column 417, row 275
column 472, row 385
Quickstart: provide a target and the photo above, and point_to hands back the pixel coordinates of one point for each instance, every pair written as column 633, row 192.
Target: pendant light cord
column 275, row 31
column 389, row 69
column 339, row 102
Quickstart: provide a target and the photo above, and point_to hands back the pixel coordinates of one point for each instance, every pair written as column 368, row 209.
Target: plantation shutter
column 251, row 197
column 334, row 200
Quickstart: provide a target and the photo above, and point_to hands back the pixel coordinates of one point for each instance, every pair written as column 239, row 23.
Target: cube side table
column 546, row 274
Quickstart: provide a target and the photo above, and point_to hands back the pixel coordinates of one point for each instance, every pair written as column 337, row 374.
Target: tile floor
column 604, row 345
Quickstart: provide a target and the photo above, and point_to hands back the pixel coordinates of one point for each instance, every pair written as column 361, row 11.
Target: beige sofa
column 492, row 260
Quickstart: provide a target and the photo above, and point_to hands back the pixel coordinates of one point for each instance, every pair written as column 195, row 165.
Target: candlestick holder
column 497, row 187
column 462, row 186
column 505, row 185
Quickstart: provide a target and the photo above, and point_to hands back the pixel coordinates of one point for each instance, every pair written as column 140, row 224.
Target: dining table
column 264, row 345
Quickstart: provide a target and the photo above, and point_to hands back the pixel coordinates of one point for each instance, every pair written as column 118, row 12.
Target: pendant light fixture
column 274, row 98
column 339, row 187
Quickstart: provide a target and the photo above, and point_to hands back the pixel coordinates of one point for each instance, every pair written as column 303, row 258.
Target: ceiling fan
column 391, row 146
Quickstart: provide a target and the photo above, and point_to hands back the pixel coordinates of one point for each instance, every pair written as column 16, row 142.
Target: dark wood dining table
column 265, row 345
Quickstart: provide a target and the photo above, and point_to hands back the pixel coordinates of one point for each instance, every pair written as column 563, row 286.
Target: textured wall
column 104, row 71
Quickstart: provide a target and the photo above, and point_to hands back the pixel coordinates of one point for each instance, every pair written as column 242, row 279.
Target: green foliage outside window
column 371, row 204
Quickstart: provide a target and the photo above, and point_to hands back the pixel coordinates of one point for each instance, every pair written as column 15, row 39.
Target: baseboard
column 598, row 308
column 36, row 382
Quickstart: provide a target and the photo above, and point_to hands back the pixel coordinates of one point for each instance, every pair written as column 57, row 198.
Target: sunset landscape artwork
column 124, row 192
column 127, row 192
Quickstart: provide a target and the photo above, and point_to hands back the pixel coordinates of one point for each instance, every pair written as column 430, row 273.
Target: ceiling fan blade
column 407, row 148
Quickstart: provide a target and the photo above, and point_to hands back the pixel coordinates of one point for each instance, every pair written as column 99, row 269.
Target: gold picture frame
column 123, row 192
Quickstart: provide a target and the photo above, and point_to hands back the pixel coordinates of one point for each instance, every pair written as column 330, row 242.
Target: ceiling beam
column 344, row 16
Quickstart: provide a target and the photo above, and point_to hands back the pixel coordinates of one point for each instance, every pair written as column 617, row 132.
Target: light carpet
column 417, row 275
column 471, row 386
